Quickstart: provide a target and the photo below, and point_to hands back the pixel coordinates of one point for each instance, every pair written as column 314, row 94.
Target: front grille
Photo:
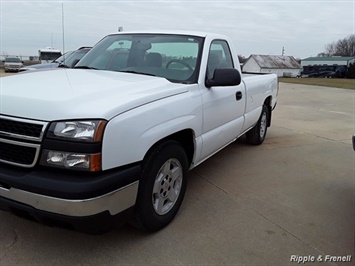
column 13, row 153
column 21, row 153
column 17, row 154
column 20, row 128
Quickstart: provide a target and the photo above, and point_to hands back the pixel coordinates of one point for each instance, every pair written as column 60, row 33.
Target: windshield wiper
column 85, row 67
column 137, row 72
column 63, row 65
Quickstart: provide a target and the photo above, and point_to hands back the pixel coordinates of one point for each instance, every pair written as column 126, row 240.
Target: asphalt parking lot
column 291, row 196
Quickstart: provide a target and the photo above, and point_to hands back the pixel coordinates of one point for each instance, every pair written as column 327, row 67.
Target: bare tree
column 241, row 58
column 330, row 49
column 323, row 54
column 342, row 47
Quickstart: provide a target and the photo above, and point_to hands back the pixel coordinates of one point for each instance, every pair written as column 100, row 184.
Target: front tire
column 257, row 134
column 162, row 186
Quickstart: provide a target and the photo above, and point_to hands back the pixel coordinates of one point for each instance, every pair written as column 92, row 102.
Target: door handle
column 238, row 95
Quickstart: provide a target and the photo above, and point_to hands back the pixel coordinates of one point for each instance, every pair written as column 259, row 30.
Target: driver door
column 223, row 107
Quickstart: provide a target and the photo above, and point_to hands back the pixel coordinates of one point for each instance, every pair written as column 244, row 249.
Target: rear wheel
column 257, row 134
column 162, row 186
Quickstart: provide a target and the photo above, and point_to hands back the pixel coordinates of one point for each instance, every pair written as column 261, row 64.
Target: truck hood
column 77, row 93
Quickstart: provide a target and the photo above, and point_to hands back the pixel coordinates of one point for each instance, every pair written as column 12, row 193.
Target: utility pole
column 63, row 28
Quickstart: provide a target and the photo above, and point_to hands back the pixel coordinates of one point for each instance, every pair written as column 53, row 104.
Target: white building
column 328, row 61
column 282, row 66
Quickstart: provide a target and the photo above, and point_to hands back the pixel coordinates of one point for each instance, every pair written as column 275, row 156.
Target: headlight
column 72, row 160
column 62, row 147
column 86, row 131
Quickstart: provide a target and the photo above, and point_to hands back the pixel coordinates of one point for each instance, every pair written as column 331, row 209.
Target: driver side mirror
column 224, row 77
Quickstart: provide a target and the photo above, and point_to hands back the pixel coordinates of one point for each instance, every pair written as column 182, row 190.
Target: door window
column 219, row 57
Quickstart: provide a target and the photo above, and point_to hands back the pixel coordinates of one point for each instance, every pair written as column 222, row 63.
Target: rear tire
column 257, row 134
column 162, row 187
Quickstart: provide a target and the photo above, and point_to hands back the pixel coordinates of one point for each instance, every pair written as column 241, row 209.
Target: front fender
column 129, row 136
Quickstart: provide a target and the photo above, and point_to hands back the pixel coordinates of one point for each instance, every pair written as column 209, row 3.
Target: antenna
column 63, row 26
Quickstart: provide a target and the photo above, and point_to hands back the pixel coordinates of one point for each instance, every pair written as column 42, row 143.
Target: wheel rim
column 167, row 186
column 263, row 125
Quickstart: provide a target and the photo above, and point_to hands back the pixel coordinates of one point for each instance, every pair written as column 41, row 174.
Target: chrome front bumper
column 114, row 202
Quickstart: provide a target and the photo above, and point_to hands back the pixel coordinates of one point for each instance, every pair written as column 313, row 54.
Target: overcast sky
column 302, row 27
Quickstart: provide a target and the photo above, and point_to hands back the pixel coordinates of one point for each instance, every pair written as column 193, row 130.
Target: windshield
column 174, row 57
column 13, row 60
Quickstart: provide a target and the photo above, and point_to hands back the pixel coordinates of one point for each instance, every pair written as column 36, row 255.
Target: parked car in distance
column 324, row 72
column 69, row 59
column 12, row 64
column 54, row 64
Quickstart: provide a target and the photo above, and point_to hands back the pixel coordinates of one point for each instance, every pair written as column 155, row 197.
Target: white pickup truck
column 113, row 138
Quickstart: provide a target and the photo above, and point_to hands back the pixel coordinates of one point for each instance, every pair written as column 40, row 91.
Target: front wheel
column 162, row 186
column 257, row 134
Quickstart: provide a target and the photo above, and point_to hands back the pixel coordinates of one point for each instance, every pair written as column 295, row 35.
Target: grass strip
column 327, row 82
